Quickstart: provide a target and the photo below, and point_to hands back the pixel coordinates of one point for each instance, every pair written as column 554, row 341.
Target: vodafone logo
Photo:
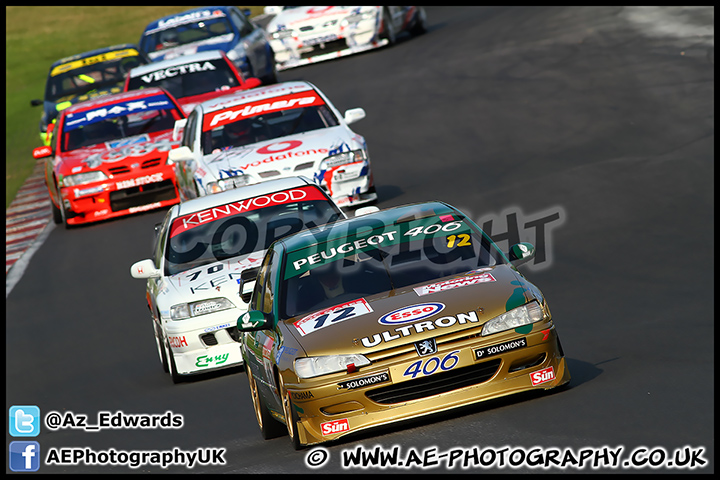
column 279, row 147
column 542, row 376
column 411, row 313
column 336, row 426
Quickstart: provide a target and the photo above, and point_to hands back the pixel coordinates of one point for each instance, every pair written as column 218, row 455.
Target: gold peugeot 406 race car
column 404, row 312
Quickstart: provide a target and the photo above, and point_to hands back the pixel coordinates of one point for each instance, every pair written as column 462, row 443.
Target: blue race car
column 212, row 28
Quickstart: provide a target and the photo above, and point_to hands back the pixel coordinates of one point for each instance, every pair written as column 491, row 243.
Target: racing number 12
column 340, row 314
column 464, row 240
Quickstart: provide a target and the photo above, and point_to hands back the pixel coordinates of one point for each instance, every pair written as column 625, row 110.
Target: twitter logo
column 24, row 421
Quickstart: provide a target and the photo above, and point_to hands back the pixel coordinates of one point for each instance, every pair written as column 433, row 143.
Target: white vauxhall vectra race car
column 207, row 251
column 280, row 130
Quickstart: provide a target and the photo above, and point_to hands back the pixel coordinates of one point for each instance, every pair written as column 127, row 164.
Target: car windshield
column 267, row 126
column 188, row 79
column 117, row 121
column 157, row 40
column 88, row 74
column 244, row 227
column 381, row 260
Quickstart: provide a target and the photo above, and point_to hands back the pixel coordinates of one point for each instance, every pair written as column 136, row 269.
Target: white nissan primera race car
column 302, row 35
column 279, row 130
column 206, row 253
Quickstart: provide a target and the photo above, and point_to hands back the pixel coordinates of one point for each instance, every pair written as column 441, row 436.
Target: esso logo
column 411, row 313
column 336, row 426
column 542, row 376
column 279, row 147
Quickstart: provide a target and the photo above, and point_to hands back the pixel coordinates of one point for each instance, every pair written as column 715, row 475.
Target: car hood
column 427, row 310
column 282, row 155
column 124, row 151
column 304, row 16
column 221, row 42
column 218, row 279
column 188, row 103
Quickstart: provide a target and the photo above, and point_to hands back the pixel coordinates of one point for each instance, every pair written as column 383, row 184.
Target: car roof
column 156, row 24
column 240, row 193
column 97, row 51
column 114, row 98
column 183, row 59
column 255, row 94
column 387, row 217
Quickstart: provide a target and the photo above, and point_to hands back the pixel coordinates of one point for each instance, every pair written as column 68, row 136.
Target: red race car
column 191, row 79
column 108, row 157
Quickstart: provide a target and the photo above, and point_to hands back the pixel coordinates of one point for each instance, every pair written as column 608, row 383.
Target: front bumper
column 328, row 411
column 122, row 194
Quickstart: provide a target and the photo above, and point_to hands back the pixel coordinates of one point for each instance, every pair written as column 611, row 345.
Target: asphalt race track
column 587, row 130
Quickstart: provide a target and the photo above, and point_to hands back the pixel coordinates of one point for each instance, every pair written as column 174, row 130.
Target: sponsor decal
column 42, row 151
column 499, row 348
column 188, row 17
column 134, row 182
column 204, row 361
column 81, row 192
column 411, row 313
column 219, row 327
column 419, row 327
column 542, row 376
column 455, row 283
column 103, row 57
column 431, row 365
column 135, row 150
column 126, row 142
column 302, row 396
column 177, row 342
column 232, row 114
column 144, row 208
column 364, row 381
column 332, row 315
column 186, row 222
column 336, row 426
column 279, row 147
column 80, row 119
column 170, row 72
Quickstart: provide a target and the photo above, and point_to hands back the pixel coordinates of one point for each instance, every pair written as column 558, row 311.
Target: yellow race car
column 388, row 316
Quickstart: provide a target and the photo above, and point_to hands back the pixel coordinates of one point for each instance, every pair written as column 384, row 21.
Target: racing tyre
column 57, row 214
column 161, row 350
column 172, row 369
column 291, row 416
column 420, row 25
column 269, row 427
column 388, row 31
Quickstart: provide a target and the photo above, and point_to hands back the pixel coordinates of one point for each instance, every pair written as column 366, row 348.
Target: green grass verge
column 35, row 38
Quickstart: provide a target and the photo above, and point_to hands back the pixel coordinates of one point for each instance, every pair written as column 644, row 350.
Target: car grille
column 435, row 384
column 153, row 162
column 209, row 339
column 142, row 195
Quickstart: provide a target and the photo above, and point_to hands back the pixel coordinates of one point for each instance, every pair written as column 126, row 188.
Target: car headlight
column 517, row 317
column 83, row 178
column 228, row 183
column 280, row 34
column 342, row 159
column 182, row 311
column 310, row 367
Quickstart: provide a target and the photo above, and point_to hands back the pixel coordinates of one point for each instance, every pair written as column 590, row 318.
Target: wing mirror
column 252, row 320
column 247, row 283
column 180, row 154
column 178, row 128
column 252, row 82
column 521, row 253
column 145, row 269
column 353, row 115
column 365, row 210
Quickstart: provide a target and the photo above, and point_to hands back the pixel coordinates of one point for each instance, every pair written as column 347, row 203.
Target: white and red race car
column 281, row 130
column 302, row 35
column 202, row 249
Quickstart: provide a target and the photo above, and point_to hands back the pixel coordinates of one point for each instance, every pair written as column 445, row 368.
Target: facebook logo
column 24, row 456
column 24, row 421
